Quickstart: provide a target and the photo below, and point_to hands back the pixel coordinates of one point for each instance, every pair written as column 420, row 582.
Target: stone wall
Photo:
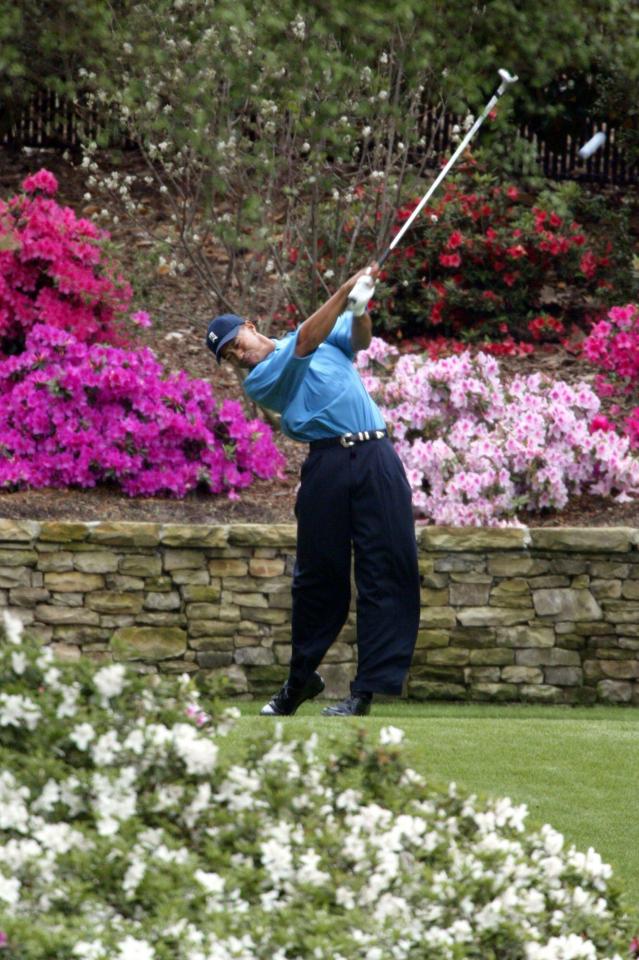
column 536, row 615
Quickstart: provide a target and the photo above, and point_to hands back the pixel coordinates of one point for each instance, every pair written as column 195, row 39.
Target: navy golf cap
column 221, row 330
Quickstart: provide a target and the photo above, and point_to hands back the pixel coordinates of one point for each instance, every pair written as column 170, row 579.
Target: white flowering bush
column 127, row 832
column 480, row 449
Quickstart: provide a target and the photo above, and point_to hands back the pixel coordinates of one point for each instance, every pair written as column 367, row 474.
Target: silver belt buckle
column 348, row 440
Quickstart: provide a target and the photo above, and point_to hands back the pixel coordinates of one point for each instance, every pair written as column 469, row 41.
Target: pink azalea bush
column 613, row 346
column 53, row 270
column 477, row 449
column 76, row 414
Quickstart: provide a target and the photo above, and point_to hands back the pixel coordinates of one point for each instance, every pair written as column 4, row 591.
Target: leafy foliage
column 308, row 110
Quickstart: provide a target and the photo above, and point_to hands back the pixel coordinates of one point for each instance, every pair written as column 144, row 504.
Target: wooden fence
column 50, row 121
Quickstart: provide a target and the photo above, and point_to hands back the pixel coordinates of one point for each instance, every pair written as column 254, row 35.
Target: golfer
column 353, row 494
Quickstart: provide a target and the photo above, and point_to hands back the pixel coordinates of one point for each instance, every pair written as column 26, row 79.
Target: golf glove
column 360, row 295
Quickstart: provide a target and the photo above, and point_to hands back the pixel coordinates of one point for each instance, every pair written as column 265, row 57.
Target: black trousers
column 356, row 497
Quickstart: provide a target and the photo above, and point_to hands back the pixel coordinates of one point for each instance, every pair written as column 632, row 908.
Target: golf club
column 363, row 289
column 595, row 143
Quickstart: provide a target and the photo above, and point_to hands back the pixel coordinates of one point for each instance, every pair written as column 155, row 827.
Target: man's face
column 247, row 348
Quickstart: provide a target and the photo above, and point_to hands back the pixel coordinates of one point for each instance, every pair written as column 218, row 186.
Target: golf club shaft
column 462, row 146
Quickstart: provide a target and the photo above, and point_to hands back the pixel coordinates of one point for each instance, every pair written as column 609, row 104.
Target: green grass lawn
column 575, row 768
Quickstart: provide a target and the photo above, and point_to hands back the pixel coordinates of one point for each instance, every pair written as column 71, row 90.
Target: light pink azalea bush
column 75, row 414
column 53, row 270
column 479, row 450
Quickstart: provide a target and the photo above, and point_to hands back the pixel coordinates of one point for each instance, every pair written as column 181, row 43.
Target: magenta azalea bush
column 478, row 449
column 76, row 414
column 53, row 270
column 78, row 408
column 613, row 346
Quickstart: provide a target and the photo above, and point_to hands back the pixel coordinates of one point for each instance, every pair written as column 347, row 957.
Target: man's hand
column 370, row 271
column 361, row 327
column 317, row 327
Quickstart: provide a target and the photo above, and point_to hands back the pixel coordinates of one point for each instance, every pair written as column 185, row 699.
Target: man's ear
column 250, row 325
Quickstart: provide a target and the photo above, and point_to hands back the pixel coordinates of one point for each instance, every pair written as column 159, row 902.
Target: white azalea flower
column 18, row 662
column 86, row 950
column 82, row 735
column 390, row 736
column 9, row 890
column 212, row 882
column 17, row 711
column 132, row 949
column 13, row 627
column 109, row 681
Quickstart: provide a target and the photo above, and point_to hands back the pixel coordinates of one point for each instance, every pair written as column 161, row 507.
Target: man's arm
column 361, row 332
column 317, row 327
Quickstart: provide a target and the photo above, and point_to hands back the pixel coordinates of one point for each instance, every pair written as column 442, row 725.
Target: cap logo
column 212, row 338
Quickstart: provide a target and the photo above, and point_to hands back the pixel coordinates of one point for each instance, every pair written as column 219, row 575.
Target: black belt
column 348, row 439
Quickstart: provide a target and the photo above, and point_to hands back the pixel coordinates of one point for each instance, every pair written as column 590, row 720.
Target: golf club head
column 595, row 143
column 506, row 79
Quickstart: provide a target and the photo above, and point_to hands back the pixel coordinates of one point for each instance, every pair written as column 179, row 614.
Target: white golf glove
column 360, row 295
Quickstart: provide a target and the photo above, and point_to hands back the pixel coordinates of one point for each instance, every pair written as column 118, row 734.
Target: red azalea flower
column 588, row 265
column 555, row 220
column 455, row 240
column 516, row 251
column 510, row 278
column 450, row 259
column 436, row 313
column 512, row 192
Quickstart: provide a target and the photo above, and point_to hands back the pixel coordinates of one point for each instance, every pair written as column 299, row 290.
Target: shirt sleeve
column 340, row 335
column 275, row 380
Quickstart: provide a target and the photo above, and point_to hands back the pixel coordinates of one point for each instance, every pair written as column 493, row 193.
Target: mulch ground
column 182, row 307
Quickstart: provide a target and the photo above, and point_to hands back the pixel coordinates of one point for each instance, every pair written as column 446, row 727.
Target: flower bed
column 491, row 262
column 77, row 415
column 479, row 450
column 129, row 836
column 78, row 410
column 53, row 270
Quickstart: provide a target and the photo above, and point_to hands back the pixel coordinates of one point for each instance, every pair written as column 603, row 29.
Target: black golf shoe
column 357, row 705
column 288, row 699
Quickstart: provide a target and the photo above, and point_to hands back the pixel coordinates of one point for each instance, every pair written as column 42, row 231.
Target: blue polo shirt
column 320, row 395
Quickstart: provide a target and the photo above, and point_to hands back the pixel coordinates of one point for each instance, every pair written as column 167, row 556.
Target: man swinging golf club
column 353, row 495
column 353, row 492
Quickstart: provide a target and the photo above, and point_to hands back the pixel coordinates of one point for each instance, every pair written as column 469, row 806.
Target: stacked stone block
column 531, row 615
